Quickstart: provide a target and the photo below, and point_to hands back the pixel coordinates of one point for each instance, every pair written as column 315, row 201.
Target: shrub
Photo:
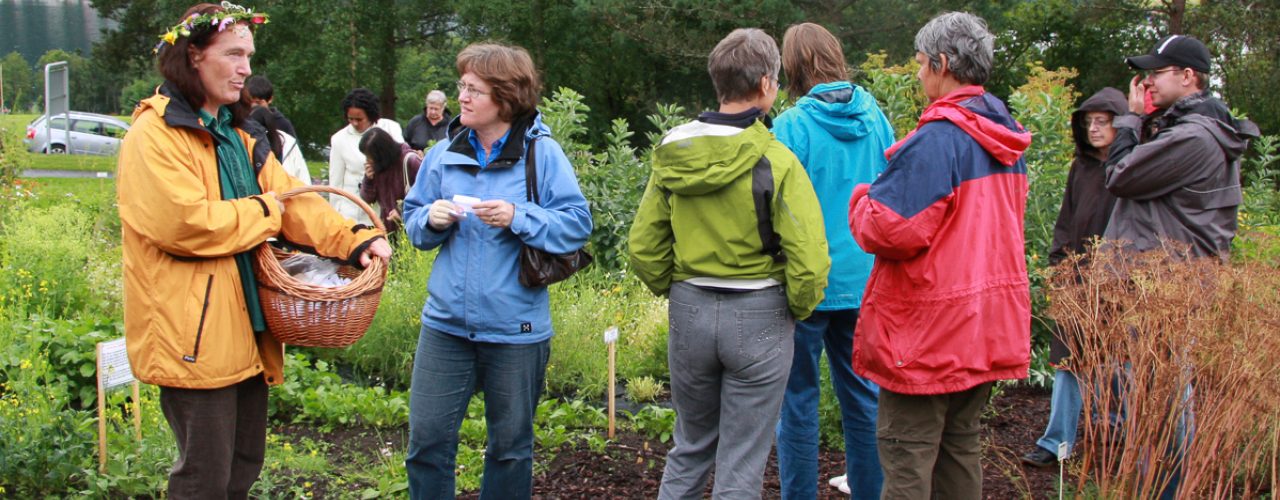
column 1167, row 344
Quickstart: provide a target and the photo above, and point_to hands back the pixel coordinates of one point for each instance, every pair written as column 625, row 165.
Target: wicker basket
column 308, row 315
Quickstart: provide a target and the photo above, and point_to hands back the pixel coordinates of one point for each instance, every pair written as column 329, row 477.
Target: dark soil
column 631, row 466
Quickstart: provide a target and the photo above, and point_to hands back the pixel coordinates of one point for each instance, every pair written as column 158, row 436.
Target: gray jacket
column 1181, row 184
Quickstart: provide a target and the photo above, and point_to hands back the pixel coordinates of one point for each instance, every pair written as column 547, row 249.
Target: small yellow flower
column 24, row 364
column 170, row 37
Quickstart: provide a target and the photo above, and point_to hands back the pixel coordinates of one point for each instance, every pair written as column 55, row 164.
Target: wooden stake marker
column 611, row 340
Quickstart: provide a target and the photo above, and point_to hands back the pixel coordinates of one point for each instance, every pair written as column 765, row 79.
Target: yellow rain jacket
column 185, row 318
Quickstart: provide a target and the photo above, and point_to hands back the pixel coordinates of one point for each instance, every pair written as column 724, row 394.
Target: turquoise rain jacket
column 474, row 290
column 839, row 134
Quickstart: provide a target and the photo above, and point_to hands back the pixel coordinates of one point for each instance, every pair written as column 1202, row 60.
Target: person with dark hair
column 432, row 124
column 839, row 134
column 197, row 196
column 262, row 94
column 389, row 170
column 730, row 230
column 1086, row 207
column 482, row 330
column 947, row 309
column 346, row 162
column 283, row 145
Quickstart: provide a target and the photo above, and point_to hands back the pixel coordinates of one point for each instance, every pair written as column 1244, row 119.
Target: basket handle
column 377, row 220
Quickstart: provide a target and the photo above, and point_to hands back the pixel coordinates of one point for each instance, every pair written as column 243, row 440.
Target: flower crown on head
column 229, row 16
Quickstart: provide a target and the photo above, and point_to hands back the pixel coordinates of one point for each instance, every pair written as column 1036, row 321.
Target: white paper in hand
column 464, row 204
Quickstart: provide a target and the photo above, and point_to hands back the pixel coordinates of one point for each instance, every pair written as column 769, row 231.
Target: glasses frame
column 468, row 89
column 1149, row 74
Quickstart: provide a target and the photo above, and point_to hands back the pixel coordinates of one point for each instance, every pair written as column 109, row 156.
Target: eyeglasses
column 1098, row 122
column 468, row 89
column 1152, row 74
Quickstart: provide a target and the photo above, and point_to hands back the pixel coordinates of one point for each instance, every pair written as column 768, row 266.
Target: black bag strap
column 531, row 174
column 762, row 195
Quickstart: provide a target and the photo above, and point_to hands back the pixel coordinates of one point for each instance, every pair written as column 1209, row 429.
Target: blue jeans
column 798, row 426
column 1064, row 413
column 447, row 370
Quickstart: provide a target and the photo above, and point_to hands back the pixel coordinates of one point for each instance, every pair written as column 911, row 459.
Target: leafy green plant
column 644, row 389
column 655, row 422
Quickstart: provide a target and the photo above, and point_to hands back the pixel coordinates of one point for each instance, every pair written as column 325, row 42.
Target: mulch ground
column 632, row 466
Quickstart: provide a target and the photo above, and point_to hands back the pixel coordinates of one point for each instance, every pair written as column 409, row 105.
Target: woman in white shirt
column 346, row 162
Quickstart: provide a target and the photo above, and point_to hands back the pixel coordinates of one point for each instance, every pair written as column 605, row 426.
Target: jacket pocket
column 1213, row 199
column 198, row 313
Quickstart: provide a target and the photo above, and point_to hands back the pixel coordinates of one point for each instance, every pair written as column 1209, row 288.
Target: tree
column 19, row 84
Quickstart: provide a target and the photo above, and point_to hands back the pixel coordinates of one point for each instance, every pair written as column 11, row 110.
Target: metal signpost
column 57, row 99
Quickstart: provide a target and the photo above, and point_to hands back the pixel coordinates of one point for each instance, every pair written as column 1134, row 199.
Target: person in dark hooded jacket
column 1086, row 207
column 1182, row 182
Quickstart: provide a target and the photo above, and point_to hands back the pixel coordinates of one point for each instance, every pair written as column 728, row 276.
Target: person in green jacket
column 730, row 229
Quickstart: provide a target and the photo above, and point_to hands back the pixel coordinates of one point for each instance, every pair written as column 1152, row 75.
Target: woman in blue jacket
column 481, row 329
column 839, row 134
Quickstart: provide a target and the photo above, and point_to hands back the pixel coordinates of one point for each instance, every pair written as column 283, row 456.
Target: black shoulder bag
column 539, row 268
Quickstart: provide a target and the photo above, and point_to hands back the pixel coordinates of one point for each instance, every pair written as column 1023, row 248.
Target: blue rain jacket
column 839, row 134
column 474, row 290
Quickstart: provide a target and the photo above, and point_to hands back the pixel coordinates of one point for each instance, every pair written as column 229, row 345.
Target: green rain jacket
column 697, row 217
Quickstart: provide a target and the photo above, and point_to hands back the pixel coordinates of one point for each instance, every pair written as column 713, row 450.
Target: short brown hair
column 738, row 62
column 174, row 63
column 510, row 73
column 811, row 55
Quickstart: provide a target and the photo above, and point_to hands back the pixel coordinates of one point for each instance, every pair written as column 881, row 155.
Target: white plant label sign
column 113, row 366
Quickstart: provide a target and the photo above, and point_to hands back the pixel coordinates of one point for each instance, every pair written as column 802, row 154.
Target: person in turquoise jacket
column 839, row 134
column 730, row 229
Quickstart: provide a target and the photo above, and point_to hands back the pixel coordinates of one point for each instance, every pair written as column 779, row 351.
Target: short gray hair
column 964, row 38
column 738, row 62
column 436, row 96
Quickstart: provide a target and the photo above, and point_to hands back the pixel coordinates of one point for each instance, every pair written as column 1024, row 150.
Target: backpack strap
column 762, row 194
column 531, row 173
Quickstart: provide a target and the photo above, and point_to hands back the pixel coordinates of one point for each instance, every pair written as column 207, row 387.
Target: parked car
column 91, row 134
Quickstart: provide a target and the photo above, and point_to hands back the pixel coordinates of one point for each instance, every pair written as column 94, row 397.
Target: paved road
column 65, row 174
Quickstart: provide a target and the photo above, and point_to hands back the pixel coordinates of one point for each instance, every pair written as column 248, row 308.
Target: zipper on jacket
column 204, row 309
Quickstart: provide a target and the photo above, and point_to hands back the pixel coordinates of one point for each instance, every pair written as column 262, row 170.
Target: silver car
column 91, row 134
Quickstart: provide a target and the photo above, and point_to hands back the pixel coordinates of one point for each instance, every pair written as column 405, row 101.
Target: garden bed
column 631, row 465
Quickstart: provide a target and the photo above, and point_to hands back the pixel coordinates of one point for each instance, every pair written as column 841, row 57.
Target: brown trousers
column 222, row 438
column 929, row 445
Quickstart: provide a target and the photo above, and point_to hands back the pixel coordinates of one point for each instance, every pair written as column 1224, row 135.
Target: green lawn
column 87, row 191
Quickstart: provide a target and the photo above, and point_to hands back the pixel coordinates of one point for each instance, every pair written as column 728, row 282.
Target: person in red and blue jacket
column 947, row 309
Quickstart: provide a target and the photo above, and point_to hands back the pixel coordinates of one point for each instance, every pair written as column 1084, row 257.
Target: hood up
column 1108, row 99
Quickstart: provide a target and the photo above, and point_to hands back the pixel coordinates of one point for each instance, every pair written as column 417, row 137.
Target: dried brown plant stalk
column 1179, row 364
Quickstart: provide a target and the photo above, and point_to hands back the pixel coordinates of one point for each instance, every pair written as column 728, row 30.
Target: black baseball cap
column 1174, row 50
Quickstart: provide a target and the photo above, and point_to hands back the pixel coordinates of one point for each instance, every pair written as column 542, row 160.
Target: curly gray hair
column 964, row 38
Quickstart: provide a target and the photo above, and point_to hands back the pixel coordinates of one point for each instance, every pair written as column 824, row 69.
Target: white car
column 91, row 134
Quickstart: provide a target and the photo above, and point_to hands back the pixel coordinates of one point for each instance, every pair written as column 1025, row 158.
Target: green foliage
column 136, row 91
column 19, row 83
column 313, row 394
column 655, row 422
column 614, row 182
column 896, row 90
column 583, row 307
column 644, row 389
column 1044, row 105
column 41, row 273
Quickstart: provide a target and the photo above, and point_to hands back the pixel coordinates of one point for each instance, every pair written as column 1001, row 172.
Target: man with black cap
column 1179, row 178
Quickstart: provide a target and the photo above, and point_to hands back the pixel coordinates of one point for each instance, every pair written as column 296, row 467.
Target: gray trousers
column 222, row 439
column 729, row 356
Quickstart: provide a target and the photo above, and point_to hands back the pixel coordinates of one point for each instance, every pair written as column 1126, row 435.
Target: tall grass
column 1177, row 365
